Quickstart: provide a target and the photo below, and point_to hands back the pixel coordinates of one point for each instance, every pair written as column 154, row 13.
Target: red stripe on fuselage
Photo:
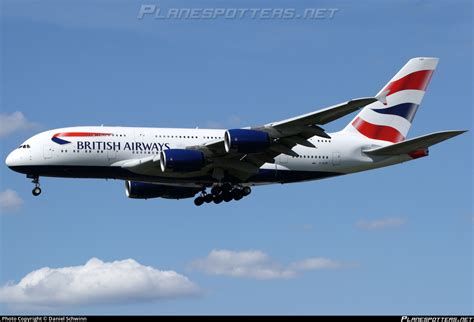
column 377, row 132
column 417, row 80
column 74, row 134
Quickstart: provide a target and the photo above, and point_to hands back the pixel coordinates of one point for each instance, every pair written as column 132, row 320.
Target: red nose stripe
column 72, row 134
column 417, row 80
column 377, row 132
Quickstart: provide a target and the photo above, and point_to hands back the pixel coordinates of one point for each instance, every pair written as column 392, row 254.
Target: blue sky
column 391, row 241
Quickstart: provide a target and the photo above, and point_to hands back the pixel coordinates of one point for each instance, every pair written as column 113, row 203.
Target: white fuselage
column 77, row 156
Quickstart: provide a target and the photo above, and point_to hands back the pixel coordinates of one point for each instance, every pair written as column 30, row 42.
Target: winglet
column 382, row 97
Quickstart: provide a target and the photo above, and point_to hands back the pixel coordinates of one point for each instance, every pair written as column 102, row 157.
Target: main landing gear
column 36, row 190
column 225, row 192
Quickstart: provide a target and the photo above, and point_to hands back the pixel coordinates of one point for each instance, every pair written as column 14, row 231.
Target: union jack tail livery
column 390, row 118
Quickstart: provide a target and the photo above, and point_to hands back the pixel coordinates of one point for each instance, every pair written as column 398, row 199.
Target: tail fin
column 391, row 120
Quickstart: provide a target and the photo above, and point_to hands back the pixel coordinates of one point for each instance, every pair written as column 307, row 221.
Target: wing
column 284, row 136
column 325, row 115
column 299, row 128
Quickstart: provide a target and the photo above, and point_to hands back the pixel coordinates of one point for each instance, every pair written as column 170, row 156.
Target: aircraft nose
column 10, row 160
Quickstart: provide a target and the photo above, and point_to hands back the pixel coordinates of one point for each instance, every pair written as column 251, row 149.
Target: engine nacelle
column 181, row 160
column 144, row 190
column 246, row 141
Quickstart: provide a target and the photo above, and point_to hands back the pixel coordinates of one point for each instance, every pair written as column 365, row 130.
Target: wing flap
column 291, row 141
column 212, row 148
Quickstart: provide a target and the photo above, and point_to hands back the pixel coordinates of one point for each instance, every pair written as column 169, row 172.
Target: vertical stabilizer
column 390, row 118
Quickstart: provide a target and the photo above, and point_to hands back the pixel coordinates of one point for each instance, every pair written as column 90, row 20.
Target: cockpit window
column 24, row 146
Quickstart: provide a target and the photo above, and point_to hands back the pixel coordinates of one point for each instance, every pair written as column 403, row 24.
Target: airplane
column 177, row 163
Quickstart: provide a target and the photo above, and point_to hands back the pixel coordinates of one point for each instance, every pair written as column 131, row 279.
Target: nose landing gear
column 36, row 190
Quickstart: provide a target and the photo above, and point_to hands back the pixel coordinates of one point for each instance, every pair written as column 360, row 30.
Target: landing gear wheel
column 237, row 194
column 227, row 197
column 218, row 199
column 216, row 190
column 199, row 201
column 226, row 187
column 208, row 198
column 246, row 191
column 36, row 191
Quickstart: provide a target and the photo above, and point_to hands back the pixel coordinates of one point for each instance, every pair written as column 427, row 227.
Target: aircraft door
column 336, row 158
column 47, row 151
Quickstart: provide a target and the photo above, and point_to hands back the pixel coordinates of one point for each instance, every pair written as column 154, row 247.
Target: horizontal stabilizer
column 419, row 143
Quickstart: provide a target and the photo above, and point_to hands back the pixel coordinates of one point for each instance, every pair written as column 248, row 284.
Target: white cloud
column 315, row 263
column 256, row 264
column 10, row 201
column 251, row 263
column 96, row 283
column 380, row 223
column 14, row 122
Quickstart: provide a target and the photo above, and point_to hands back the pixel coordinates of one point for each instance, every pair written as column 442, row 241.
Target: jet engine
column 181, row 160
column 145, row 190
column 246, row 141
